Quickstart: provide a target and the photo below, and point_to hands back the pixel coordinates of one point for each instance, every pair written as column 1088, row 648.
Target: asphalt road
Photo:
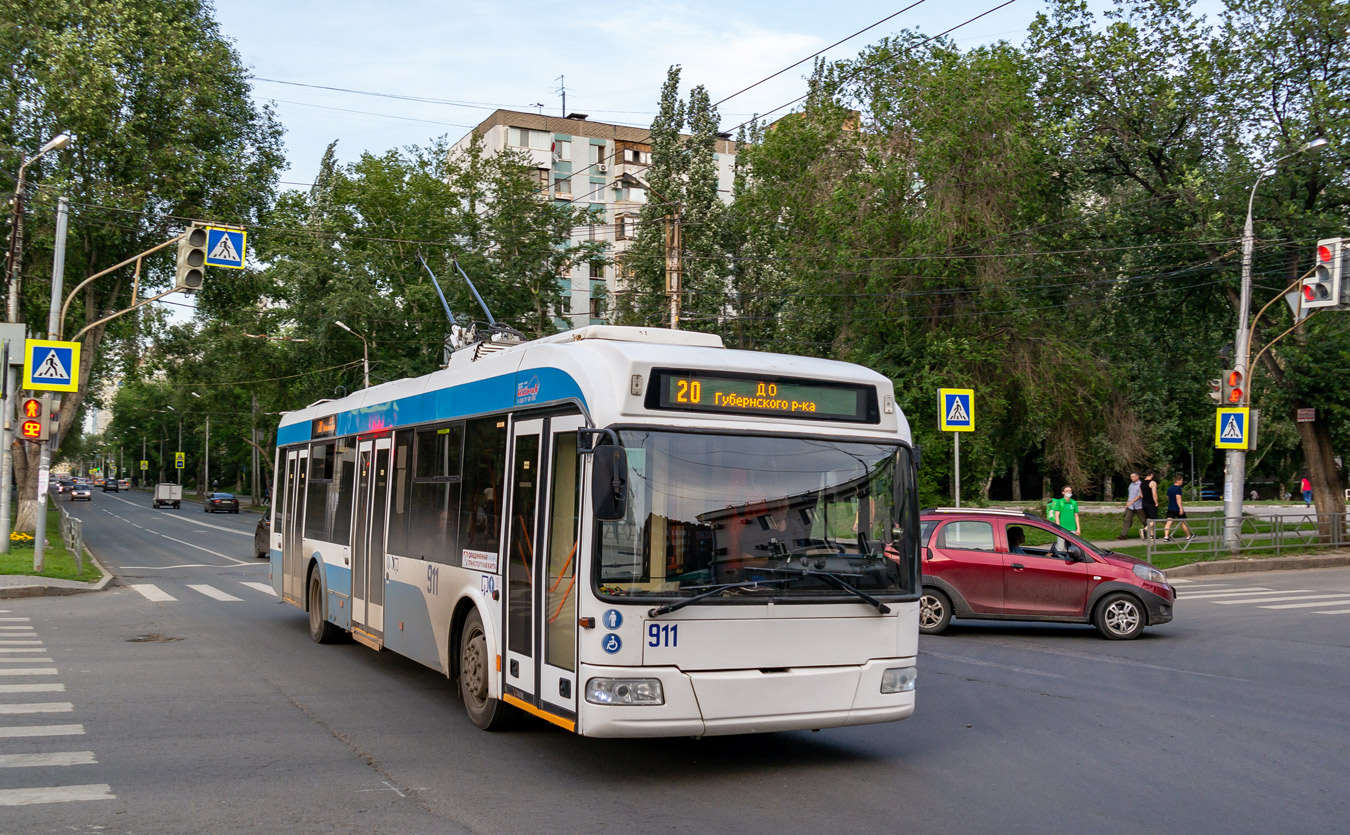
column 228, row 719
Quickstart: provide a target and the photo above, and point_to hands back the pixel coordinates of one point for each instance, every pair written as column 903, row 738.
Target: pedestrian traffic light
column 1233, row 392
column 1216, row 390
column 1323, row 287
column 191, row 260
column 35, row 424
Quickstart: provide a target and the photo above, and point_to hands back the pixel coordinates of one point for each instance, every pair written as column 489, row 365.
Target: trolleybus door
column 541, row 563
column 368, row 527
column 292, row 507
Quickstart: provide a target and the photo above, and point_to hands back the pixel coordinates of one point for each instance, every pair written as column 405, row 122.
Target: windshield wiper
column 833, row 580
column 680, row 604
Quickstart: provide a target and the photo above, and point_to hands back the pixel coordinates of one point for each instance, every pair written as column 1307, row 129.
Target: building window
column 597, row 269
column 597, row 154
column 526, row 138
column 541, row 176
column 598, row 301
column 562, row 150
column 562, row 187
column 625, row 227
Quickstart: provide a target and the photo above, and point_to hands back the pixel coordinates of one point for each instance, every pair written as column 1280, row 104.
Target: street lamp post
column 365, row 351
column 1236, row 477
column 13, row 263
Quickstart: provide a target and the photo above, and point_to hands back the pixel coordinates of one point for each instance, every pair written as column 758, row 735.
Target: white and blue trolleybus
column 623, row 531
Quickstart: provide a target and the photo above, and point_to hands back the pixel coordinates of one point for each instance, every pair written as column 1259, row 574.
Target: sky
column 612, row 57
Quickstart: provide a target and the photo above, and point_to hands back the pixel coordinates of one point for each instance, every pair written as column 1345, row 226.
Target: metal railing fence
column 1258, row 535
column 72, row 534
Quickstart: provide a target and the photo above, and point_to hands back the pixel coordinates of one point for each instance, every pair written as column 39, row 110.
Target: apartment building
column 590, row 164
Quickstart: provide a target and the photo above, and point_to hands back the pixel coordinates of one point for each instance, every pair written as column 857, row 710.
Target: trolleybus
column 623, row 531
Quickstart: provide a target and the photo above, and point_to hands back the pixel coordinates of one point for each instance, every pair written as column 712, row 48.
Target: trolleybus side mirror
column 609, row 469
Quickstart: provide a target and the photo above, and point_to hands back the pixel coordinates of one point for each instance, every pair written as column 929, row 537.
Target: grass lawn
column 57, row 562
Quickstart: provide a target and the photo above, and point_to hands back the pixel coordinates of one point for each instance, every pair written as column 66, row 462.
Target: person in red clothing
column 1306, row 487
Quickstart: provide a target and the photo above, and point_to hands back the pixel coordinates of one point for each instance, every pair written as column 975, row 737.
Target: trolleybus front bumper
column 711, row 703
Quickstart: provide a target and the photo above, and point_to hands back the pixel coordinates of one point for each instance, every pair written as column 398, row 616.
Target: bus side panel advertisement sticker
column 480, row 560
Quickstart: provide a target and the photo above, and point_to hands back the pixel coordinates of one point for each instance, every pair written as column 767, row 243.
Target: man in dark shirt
column 1150, row 497
column 1176, row 511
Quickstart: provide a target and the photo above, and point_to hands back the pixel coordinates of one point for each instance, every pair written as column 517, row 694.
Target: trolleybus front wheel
column 474, row 669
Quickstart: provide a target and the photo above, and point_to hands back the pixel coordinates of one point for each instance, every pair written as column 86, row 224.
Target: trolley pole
column 53, row 328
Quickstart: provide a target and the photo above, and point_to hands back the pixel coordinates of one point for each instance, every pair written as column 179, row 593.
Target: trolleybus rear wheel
column 474, row 670
column 320, row 629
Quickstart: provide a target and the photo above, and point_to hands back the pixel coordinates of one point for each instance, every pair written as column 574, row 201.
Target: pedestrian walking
column 1134, row 508
column 1176, row 511
column 1064, row 511
column 1306, row 487
column 1149, row 494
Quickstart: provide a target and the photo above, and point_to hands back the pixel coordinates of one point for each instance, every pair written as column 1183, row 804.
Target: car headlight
column 898, row 680
column 1151, row 574
column 625, row 691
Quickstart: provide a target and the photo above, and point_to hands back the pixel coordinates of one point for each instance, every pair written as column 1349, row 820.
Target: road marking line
column 15, row 731
column 17, row 628
column 185, row 565
column 152, row 592
column 38, row 707
column 193, row 521
column 1334, row 612
column 23, row 649
column 207, row 550
column 28, row 659
column 1212, row 592
column 5, row 643
column 40, row 760
column 1322, row 597
column 262, row 587
column 34, row 671
column 1345, row 598
column 55, row 794
column 46, row 687
column 211, row 591
column 15, row 620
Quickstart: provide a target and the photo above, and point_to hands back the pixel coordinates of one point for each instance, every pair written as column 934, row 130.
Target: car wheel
column 1120, row 617
column 935, row 611
column 236, row 510
column 475, row 666
column 320, row 629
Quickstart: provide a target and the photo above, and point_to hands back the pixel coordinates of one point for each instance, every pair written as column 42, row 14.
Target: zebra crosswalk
column 36, row 728
column 1232, row 593
column 155, row 594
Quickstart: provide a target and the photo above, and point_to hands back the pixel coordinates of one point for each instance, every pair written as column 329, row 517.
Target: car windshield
column 736, row 510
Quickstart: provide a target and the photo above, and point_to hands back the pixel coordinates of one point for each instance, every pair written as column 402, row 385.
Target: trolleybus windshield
column 705, row 510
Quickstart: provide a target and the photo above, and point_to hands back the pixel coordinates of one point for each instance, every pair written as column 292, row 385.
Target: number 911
column 663, row 635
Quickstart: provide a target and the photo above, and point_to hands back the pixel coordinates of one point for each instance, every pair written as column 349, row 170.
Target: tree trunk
column 1328, row 488
column 1046, row 489
column 988, row 481
column 1108, row 491
column 1016, row 480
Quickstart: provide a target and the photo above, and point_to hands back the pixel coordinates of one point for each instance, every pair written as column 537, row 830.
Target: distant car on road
column 262, row 535
column 124, row 483
column 221, row 501
column 109, row 485
column 1011, row 565
column 63, row 484
column 81, row 491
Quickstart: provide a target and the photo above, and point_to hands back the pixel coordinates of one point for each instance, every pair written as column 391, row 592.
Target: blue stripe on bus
column 529, row 387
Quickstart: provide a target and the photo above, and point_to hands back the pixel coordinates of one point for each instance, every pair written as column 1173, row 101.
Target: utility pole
column 206, row 456
column 254, row 483
column 674, row 265
column 5, row 442
column 562, row 88
column 180, row 449
column 53, row 327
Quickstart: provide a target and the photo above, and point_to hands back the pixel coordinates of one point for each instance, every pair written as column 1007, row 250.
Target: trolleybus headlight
column 898, row 680
column 625, row 691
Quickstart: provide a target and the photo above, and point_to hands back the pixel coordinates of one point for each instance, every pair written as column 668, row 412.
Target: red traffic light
column 1324, row 253
column 31, row 430
column 1234, row 378
column 32, row 408
column 1235, row 396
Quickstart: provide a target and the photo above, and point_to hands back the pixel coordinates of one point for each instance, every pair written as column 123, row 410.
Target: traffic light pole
column 53, row 328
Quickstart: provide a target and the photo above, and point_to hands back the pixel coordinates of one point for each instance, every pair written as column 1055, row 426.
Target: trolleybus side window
column 433, row 513
column 481, row 496
column 560, row 600
column 398, row 501
column 345, row 487
column 318, row 521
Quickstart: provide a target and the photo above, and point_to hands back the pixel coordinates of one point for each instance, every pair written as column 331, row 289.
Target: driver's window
column 1035, row 541
column 967, row 536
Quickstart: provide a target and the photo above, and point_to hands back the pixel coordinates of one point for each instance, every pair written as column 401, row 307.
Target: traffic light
column 1323, row 287
column 35, row 424
column 191, row 260
column 1216, row 391
column 1232, row 393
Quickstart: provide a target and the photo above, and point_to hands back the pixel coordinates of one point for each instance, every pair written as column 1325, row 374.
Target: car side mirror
column 1076, row 554
column 609, row 479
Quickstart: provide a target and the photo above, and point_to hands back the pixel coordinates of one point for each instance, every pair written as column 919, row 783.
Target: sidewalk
column 23, row 585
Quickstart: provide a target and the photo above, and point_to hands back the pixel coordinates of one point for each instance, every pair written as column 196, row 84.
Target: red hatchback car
column 1012, row 565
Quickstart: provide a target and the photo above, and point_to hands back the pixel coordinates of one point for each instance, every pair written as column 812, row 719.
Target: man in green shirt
column 1064, row 511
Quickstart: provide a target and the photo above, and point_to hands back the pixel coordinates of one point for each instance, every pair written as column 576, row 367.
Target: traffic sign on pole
column 225, row 247
column 145, row 465
column 49, row 365
column 1232, row 428
column 179, row 460
column 956, row 410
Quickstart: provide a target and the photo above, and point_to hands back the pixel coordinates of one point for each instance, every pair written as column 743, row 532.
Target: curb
column 1202, row 569
column 44, row 590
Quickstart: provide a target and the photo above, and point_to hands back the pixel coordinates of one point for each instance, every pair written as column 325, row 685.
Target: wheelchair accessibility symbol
column 611, row 643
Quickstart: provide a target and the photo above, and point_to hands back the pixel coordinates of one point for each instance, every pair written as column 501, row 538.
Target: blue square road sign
column 225, row 247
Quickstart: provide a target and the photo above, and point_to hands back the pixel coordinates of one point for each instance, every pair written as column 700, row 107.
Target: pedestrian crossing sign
column 51, row 366
column 179, row 460
column 1231, row 429
column 956, row 410
column 225, row 247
